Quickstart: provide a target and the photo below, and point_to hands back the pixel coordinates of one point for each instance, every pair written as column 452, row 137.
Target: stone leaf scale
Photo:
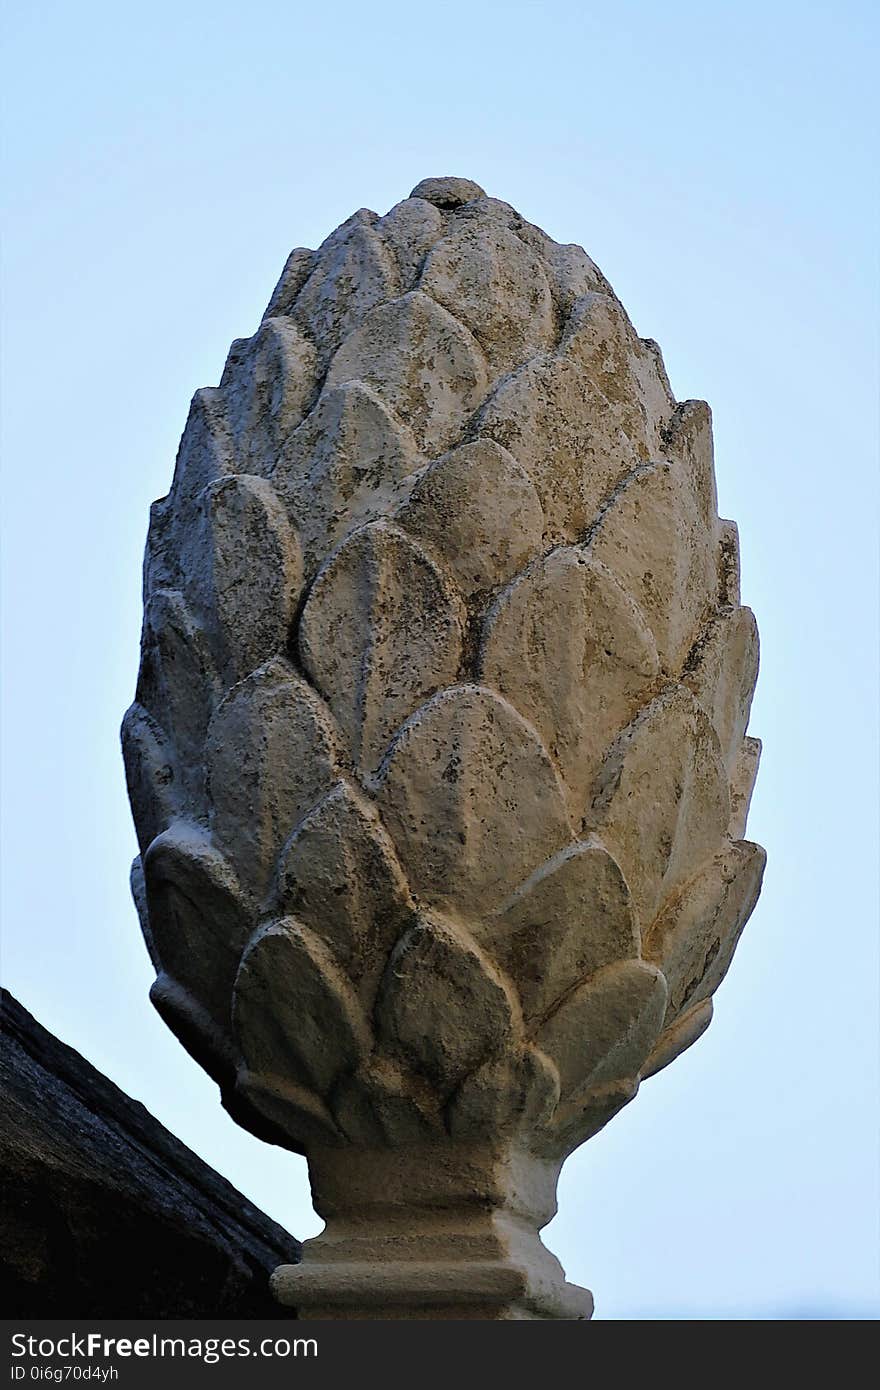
column 438, row 757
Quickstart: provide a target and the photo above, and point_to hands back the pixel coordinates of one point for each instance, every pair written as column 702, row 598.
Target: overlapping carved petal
column 149, row 774
column 570, row 918
column 581, row 1116
column 442, row 1007
column 571, row 651
column 199, row 919
column 410, row 229
column 599, row 336
column 297, row 269
column 295, row 1014
column 661, row 801
column 517, row 1091
column 139, row 895
column 162, row 552
column 267, row 384
column 495, row 284
column 471, row 800
column 206, row 451
column 271, row 754
column 178, row 685
column 722, row 671
column 678, row 1037
column 343, row 467
column 478, row 510
column 353, row 271
column 654, row 541
column 338, row 874
column 385, row 1104
column 298, row 1118
column 245, row 570
column 207, row 1042
column 604, row 1030
column 694, row 938
column 421, row 361
column 381, row 631
column 742, row 784
column 572, row 273
column 689, row 440
column 728, row 564
column 555, row 422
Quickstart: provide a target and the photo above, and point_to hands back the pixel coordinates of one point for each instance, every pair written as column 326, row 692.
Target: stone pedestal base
column 431, row 1233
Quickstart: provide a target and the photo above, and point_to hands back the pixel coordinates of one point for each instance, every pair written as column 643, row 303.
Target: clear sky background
column 715, row 160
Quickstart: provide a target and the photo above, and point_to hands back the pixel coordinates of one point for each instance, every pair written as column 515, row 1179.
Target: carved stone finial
column 438, row 758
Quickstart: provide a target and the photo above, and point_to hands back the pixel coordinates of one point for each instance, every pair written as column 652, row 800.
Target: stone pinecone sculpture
column 438, row 757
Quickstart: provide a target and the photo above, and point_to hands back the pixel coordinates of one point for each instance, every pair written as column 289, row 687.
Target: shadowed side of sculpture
column 438, row 759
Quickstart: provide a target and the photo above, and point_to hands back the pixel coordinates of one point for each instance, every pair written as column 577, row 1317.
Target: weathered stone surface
column 410, row 229
column 679, row 1036
column 694, row 938
column 344, row 466
column 662, row 801
column 353, row 271
column 580, row 693
column 654, row 542
column 106, row 1214
column 205, row 454
column 603, row 1032
column 519, row 1091
column 722, row 671
column 478, row 510
column 178, row 685
column 554, row 421
column 245, row 572
column 470, row 799
column 149, row 771
column 728, row 565
column 421, row 362
column 446, row 678
column 448, row 192
column 338, row 874
column 198, row 916
column 688, row 439
column 573, row 272
column 381, row 631
column 742, row 784
column 496, row 286
column 570, row 918
column 295, row 1010
column 266, row 385
column 271, row 750
column 297, row 269
column 627, row 370
column 442, row 1007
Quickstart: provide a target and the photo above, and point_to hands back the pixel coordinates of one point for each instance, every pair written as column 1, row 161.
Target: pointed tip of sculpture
column 448, row 192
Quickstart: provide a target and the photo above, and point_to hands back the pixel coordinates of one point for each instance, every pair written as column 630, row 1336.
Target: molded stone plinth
column 431, row 1233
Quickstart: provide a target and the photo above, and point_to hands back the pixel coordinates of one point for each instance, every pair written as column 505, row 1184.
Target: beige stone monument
column 438, row 759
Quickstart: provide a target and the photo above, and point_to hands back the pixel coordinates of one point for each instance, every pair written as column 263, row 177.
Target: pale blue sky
column 716, row 160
